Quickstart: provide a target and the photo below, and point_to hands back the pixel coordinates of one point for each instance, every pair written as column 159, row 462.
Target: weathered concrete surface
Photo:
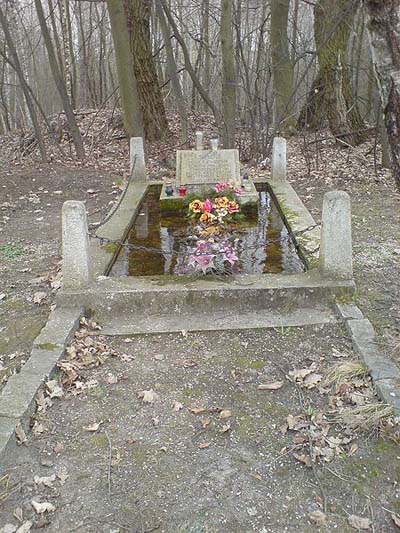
column 17, row 401
column 136, row 148
column 348, row 311
column 8, row 442
column 76, row 267
column 278, row 164
column 299, row 220
column 18, row 397
column 59, row 328
column 336, row 254
column 147, row 296
column 384, row 372
column 229, row 320
column 199, row 140
column 207, row 166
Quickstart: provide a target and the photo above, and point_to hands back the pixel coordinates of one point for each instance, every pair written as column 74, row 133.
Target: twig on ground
column 109, row 464
column 311, row 450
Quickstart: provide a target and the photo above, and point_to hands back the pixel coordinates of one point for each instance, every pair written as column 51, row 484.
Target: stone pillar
column 335, row 257
column 199, row 140
column 137, row 148
column 278, row 171
column 76, row 265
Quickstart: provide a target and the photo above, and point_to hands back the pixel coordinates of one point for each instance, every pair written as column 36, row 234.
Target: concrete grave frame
column 87, row 289
column 246, row 300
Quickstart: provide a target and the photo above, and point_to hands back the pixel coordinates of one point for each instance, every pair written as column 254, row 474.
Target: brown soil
column 160, row 479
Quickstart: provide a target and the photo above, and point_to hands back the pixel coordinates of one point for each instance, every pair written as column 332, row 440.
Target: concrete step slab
column 228, row 320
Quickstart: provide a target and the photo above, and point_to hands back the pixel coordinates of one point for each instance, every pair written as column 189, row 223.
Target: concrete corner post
column 335, row 257
column 136, row 148
column 278, row 167
column 199, row 140
column 75, row 246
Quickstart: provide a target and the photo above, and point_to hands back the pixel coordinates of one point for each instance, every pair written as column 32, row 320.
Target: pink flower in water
column 229, row 254
column 202, row 262
column 207, row 206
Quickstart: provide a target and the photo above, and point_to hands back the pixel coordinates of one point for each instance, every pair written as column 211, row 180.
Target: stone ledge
column 348, row 311
column 17, row 401
column 384, row 373
column 59, row 329
column 8, row 443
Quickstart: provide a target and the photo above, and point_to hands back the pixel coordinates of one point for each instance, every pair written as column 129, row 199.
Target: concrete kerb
column 17, row 401
column 116, row 228
column 384, row 373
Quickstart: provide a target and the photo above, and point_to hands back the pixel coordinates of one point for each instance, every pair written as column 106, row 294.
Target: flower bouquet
column 212, row 247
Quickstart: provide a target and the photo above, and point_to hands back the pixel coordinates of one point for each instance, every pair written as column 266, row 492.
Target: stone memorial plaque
column 207, row 166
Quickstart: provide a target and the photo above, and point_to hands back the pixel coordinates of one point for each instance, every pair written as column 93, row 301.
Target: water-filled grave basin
column 211, row 237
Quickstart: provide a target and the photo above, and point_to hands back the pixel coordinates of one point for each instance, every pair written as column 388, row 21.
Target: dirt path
column 204, row 450
column 30, row 230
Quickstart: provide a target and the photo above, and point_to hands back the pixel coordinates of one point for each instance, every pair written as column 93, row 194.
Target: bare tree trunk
column 153, row 111
column 58, row 79
column 384, row 29
column 282, row 67
column 331, row 94
column 228, row 74
column 172, row 73
column 19, row 72
column 188, row 64
column 133, row 118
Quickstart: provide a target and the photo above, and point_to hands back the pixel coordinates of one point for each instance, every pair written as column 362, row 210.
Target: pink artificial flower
column 230, row 256
column 221, row 186
column 207, row 206
column 202, row 261
column 238, row 191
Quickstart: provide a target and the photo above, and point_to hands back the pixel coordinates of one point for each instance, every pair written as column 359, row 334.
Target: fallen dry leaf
column 20, row 434
column 39, row 297
column 318, row 517
column 204, row 445
column 396, row 519
column 62, row 475
column 26, row 526
column 295, row 423
column 186, row 363
column 111, row 379
column 38, row 428
column 298, row 374
column 197, row 410
column 93, row 427
column 59, row 447
column 19, row 514
column 54, row 390
column 8, row 528
column 178, row 406
column 205, row 423
column 274, row 385
column 312, row 380
column 226, row 413
column 226, row 427
column 44, row 507
column 358, row 522
column 303, row 458
column 47, row 481
column 148, row 396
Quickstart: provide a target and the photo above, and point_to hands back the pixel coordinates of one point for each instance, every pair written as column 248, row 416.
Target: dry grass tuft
column 365, row 417
column 345, row 372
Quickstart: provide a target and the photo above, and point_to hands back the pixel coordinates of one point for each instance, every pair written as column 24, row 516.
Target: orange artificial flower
column 196, row 206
